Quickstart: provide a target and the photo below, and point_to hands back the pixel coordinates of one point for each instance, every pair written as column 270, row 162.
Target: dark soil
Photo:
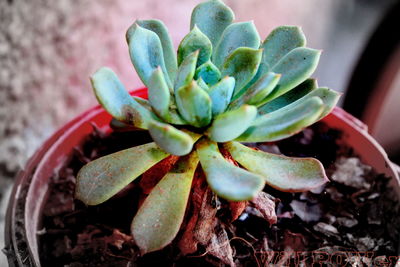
column 328, row 225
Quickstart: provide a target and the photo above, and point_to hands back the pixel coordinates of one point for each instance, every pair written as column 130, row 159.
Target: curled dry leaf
column 266, row 205
column 202, row 220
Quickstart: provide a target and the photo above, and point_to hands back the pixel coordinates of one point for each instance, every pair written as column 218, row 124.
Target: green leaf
column 225, row 179
column 241, row 34
column 256, row 92
column 159, row 94
column 202, row 84
column 194, row 104
column 282, row 173
column 159, row 219
column 242, row 64
column 212, row 17
column 209, row 73
column 161, row 30
column 186, row 70
column 113, row 97
column 295, row 68
column 328, row 97
column 102, row 178
column 281, row 41
column 170, row 139
column 221, row 94
column 279, row 125
column 229, row 125
column 146, row 53
column 193, row 41
column 298, row 92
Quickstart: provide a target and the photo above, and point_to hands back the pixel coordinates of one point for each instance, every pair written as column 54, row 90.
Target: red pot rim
column 23, row 211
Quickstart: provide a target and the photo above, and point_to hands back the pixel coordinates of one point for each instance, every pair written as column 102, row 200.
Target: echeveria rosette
column 223, row 86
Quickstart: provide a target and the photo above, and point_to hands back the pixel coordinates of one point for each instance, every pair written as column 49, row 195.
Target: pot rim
column 21, row 251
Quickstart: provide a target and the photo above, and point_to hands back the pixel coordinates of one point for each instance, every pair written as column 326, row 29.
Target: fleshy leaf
column 193, row 41
column 256, row 92
column 281, row 41
column 146, row 53
column 194, row 104
column 170, row 139
column 161, row 30
column 298, row 92
column 242, row 64
column 102, row 178
column 240, row 34
column 225, row 179
column 283, row 173
column 159, row 94
column 229, row 125
column 209, row 73
column 212, row 17
column 186, row 70
column 278, row 43
column 295, row 68
column 159, row 219
column 202, row 84
column 279, row 125
column 328, row 97
column 221, row 94
column 114, row 98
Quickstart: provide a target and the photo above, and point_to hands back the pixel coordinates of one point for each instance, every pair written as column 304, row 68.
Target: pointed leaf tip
column 102, row 178
column 212, row 18
column 229, row 125
column 114, row 98
column 281, row 172
column 170, row 139
column 225, row 179
column 195, row 40
column 236, row 35
column 194, row 104
column 242, row 64
column 146, row 52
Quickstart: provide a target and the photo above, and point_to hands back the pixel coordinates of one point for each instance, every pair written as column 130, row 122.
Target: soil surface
column 355, row 212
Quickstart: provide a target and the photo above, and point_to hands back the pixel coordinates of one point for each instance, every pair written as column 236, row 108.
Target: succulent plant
column 225, row 87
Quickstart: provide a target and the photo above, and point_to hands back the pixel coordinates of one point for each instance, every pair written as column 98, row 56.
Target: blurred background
column 48, row 49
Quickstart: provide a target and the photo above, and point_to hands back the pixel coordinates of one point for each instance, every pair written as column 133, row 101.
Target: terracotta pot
column 31, row 186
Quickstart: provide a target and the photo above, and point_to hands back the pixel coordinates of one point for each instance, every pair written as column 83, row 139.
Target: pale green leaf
column 193, row 41
column 102, row 178
column 212, row 17
column 170, row 139
column 279, row 125
column 225, row 179
column 221, row 94
column 295, row 68
column 161, row 30
column 282, row 173
column 242, row 64
column 159, row 219
column 114, row 98
column 186, row 70
column 298, row 92
column 229, row 125
column 281, row 41
column 240, row 34
column 159, row 94
column 256, row 92
column 146, row 53
column 208, row 72
column 194, row 104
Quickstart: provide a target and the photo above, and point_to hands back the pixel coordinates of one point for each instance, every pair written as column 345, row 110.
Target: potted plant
column 188, row 173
